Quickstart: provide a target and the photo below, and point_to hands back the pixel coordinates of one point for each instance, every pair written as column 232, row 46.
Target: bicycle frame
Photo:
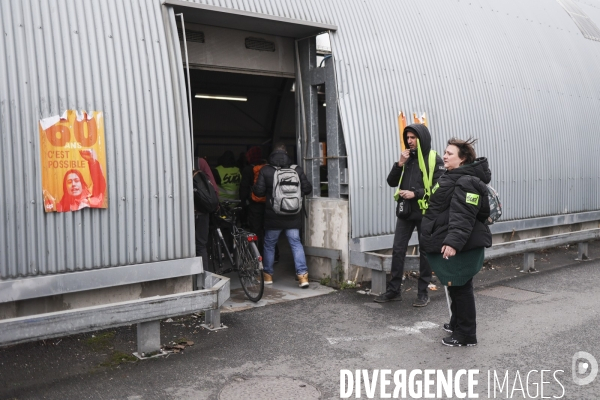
column 246, row 259
column 237, row 235
column 222, row 245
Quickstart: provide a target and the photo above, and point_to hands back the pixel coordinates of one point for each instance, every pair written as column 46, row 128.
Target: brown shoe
column 268, row 278
column 303, row 280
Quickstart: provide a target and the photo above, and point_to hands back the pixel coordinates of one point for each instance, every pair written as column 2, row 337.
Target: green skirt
column 457, row 270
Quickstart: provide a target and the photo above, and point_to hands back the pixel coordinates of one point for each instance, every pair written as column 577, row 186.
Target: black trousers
column 462, row 307
column 201, row 224
column 404, row 230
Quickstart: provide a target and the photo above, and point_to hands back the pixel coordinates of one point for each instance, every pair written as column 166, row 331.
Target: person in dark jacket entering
column 409, row 173
column 276, row 223
column 254, row 206
column 453, row 234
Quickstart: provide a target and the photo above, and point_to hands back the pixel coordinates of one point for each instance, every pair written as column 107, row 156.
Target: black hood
column 279, row 158
column 423, row 134
column 478, row 168
column 227, row 159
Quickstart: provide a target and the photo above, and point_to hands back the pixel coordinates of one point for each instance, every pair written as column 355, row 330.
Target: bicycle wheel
column 249, row 269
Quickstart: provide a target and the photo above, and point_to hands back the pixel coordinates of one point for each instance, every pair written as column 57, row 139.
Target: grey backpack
column 287, row 196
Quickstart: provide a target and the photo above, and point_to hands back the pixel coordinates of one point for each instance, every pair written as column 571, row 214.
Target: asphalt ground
column 526, row 323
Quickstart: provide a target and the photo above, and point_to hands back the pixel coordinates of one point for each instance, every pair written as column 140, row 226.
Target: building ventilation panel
column 588, row 28
column 259, row 44
column 191, row 36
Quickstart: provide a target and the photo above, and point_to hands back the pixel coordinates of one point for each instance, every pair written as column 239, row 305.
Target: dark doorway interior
column 267, row 115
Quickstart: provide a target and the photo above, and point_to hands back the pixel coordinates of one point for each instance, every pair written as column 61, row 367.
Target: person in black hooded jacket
column 408, row 175
column 276, row 223
column 453, row 234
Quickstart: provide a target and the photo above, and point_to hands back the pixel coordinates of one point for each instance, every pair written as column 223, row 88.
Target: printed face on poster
column 73, row 159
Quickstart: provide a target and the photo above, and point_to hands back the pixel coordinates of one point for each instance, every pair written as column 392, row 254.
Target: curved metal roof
column 520, row 76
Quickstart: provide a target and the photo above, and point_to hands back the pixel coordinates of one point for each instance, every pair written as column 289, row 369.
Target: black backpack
column 205, row 197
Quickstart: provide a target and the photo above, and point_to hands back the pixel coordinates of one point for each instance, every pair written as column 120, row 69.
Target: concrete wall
column 328, row 226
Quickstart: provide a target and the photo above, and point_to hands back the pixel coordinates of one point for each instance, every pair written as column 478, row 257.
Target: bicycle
column 246, row 259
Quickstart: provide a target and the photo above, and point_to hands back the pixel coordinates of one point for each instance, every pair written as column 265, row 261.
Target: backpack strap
column 397, row 194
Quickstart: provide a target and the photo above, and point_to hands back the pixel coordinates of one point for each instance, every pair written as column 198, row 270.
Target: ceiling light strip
column 220, row 97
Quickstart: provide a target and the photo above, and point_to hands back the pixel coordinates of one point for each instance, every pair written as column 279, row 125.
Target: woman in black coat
column 453, row 234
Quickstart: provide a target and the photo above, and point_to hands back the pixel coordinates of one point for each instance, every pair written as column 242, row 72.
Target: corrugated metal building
column 520, row 76
column 112, row 57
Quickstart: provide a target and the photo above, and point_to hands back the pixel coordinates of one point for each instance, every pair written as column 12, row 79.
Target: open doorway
column 235, row 111
column 280, row 79
column 242, row 86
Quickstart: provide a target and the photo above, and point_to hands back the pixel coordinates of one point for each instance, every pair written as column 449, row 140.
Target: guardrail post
column 199, row 281
column 528, row 262
column 378, row 282
column 148, row 337
column 212, row 319
column 582, row 251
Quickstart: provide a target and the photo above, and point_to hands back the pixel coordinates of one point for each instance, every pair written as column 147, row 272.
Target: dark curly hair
column 466, row 152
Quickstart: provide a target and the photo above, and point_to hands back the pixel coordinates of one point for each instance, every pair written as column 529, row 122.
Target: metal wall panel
column 517, row 75
column 522, row 79
column 110, row 56
column 224, row 50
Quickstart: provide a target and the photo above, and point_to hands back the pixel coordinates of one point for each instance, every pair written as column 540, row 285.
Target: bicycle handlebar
column 225, row 208
column 227, row 202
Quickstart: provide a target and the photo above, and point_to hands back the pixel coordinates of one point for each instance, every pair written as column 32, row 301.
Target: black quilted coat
column 413, row 177
column 457, row 208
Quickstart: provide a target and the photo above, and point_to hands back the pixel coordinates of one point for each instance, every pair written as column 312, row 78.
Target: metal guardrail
column 145, row 312
column 380, row 264
column 538, row 243
column 528, row 246
column 71, row 282
column 385, row 241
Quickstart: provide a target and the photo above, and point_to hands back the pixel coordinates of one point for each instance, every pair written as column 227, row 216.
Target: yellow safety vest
column 427, row 179
column 229, row 189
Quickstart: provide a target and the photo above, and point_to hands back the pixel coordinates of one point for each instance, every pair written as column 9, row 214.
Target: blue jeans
column 293, row 236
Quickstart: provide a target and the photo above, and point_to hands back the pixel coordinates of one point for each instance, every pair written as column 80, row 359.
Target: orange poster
column 401, row 126
column 420, row 120
column 73, row 159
